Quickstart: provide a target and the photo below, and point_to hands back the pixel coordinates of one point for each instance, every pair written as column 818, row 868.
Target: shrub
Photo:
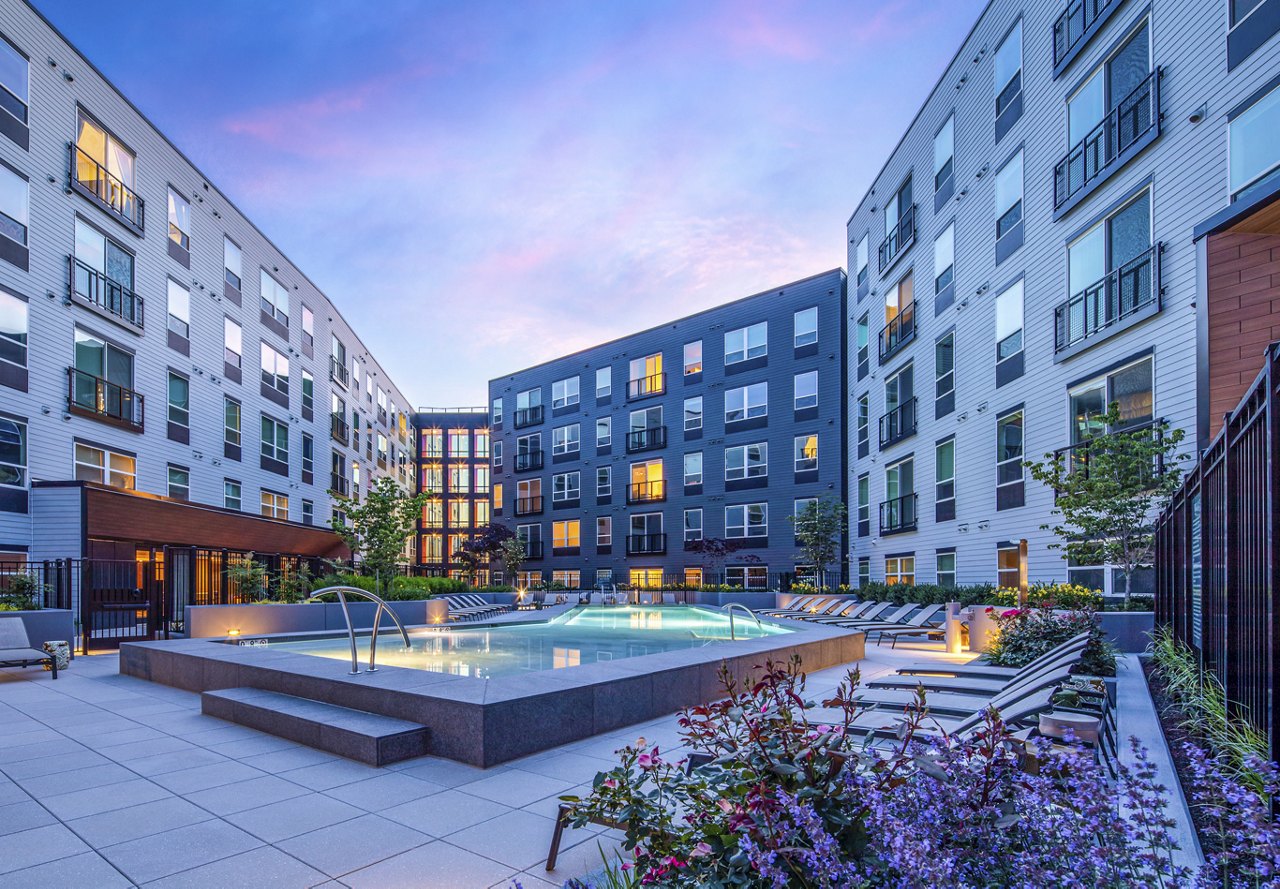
column 1027, row 633
column 1052, row 595
column 22, row 592
column 925, row 593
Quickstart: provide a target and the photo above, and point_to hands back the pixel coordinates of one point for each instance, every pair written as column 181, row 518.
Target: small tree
column 376, row 530
column 818, row 531
column 1108, row 491
column 247, row 576
column 714, row 551
column 511, row 550
column 480, row 550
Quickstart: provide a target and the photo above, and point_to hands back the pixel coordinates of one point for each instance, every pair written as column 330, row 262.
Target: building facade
column 453, row 471
column 1029, row 255
column 612, row 463
column 167, row 375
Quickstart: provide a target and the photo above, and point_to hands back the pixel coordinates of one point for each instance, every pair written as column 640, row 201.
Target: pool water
column 585, row 635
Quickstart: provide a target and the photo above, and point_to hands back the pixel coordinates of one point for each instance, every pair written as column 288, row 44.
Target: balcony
column 646, row 544
column 528, row 416
column 646, row 387
column 898, row 515
column 1127, row 129
column 99, row 399
column 529, row 505
column 533, row 549
column 898, row 424
column 899, row 240
column 898, row 332
column 647, row 492
column 1077, row 23
column 339, row 484
column 1077, row 456
column 339, row 428
column 529, row 460
column 93, row 181
column 103, row 293
column 339, row 373
column 648, row 439
column 1129, row 292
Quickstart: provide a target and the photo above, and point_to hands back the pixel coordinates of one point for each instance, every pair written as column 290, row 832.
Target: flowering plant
column 1027, row 633
column 1053, row 595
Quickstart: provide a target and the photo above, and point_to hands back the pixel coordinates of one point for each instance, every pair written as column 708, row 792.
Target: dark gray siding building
column 611, row 462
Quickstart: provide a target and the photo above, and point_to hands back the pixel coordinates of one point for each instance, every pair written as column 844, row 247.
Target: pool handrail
column 340, row 591
column 728, row 608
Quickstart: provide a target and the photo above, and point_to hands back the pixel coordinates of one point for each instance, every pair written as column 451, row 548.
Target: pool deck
column 107, row 780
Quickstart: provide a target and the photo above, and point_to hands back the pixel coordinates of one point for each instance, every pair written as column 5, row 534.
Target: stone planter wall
column 46, row 625
column 216, row 621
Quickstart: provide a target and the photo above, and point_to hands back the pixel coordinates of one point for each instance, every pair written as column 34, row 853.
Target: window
column 104, row 379
column 232, row 342
column 566, row 486
column 863, row 255
column 898, row 513
column 693, row 358
column 746, row 461
column 944, row 367
column 231, row 421
column 900, row 569
column 1009, row 322
column 899, row 390
column 14, row 213
column 459, row 513
column 1110, row 273
column 497, row 455
column 497, row 495
column 1009, row 450
column 604, row 531
column 1129, row 388
column 495, row 411
column 899, row 301
column 692, row 525
column 482, row 479
column 944, row 259
column 483, row 514
column 604, row 432
column 179, row 309
column 179, row 220
column 746, row 402
column 604, row 382
column 1008, row 567
column 1240, row 9
column 275, row 439
column 459, row 443
column 693, row 468
column 308, row 394
column 179, row 400
column 179, row 483
column 231, row 262
column 806, row 452
column 1008, row 64
column 946, row 562
column 14, row 78
column 693, row 413
column 1109, row 85
column 275, row 370
column 746, row 343
column 564, row 392
column 806, row 326
column 308, row 455
column 806, row 386
column 864, row 340
column 433, row 513
column 864, row 504
column 565, row 534
column 864, row 423
column 308, row 330
column 647, row 377
column 308, row 512
column 566, row 439
column 232, row 496
column 748, row 577
column 105, row 167
column 864, row 571
column 944, row 473
column 529, row 399
column 604, row 482
column 106, row 467
column 274, row 506
column 431, row 442
column 944, row 149
column 746, row 520
column 1254, row 137
column 13, row 329
column 1009, row 195
column 275, row 298
column 102, row 273
column 13, row 453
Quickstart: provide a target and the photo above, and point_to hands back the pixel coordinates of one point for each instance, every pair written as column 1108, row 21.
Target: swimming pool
column 587, row 635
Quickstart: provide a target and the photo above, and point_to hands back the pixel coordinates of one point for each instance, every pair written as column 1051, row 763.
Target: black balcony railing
column 92, row 178
column 649, row 439
column 900, row 330
column 899, row 423
column 98, row 290
column 654, row 384
column 528, row 416
column 339, row 484
column 899, row 514
column 528, row 460
column 898, row 240
column 533, row 549
column 339, row 428
column 1077, row 457
column 92, row 396
column 1072, row 25
column 646, row 544
column 647, row 492
column 1124, row 292
column 1133, row 117
column 529, row 505
column 338, row 372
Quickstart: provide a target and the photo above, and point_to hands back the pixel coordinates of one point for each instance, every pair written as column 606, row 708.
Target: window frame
column 697, row 477
column 762, row 409
column 693, row 420
column 746, row 351
column 808, row 399
column 569, row 394
column 273, row 450
column 738, row 464
column 800, row 449
column 761, row 526
column 566, row 439
column 805, row 337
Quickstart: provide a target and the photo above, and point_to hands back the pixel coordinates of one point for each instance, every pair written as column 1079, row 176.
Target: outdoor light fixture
column 233, row 632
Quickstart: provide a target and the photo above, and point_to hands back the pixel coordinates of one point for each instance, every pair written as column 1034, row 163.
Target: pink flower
column 641, row 743
column 609, row 782
column 700, row 850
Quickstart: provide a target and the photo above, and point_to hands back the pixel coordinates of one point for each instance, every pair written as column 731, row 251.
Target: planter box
column 216, row 621
column 1129, row 631
column 46, row 625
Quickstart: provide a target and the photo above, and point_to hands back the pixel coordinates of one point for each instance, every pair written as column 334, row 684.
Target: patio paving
column 107, row 780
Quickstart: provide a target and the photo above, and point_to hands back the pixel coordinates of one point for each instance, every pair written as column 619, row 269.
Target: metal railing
column 898, row 240
column 1072, row 24
column 646, row 544
column 533, row 549
column 339, row 428
column 528, row 460
column 1131, row 119
column 342, row 592
column 98, row 290
column 338, row 372
column 649, row 439
column 899, row 514
column 92, row 396
column 1077, row 456
column 900, row 330
column 898, row 423
column 1123, row 292
column 339, row 484
column 654, row 384
column 528, row 505
column 106, row 188
column 528, row 416
column 647, row 492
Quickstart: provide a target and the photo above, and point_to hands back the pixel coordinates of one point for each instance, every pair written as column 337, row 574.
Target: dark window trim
column 1148, row 352
column 1111, row 208
column 1075, row 51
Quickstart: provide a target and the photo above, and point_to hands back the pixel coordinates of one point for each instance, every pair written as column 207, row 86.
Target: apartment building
column 167, row 376
column 1041, row 244
column 454, row 472
column 612, row 463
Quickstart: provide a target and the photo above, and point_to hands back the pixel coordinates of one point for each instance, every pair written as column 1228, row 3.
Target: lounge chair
column 921, row 624
column 669, row 599
column 470, row 607
column 802, row 605
column 961, row 699
column 16, row 649
column 869, row 613
column 982, row 670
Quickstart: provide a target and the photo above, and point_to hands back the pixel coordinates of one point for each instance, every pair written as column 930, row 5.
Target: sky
column 483, row 186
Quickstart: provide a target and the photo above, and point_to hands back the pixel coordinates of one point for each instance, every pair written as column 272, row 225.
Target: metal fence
column 1216, row 555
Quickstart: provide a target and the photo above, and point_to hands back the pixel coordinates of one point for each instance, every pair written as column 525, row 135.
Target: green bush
column 1071, row 596
column 400, row 589
column 926, row 593
column 1027, row 633
column 23, row 593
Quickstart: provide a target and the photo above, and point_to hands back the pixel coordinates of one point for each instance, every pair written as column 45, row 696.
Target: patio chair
column 961, row 700
column 833, row 607
column 669, row 599
column 921, row 624
column 979, row 669
column 16, row 649
column 859, row 612
column 800, row 604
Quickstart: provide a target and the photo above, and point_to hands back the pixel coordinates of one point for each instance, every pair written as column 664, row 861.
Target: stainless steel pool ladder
column 730, row 606
column 341, row 592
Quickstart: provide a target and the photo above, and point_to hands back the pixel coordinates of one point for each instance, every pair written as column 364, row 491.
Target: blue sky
column 482, row 186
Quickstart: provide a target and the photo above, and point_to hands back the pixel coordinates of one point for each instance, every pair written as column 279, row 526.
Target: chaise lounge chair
column 797, row 606
column 16, row 649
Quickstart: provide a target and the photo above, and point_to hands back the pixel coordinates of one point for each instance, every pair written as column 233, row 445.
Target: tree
column 511, row 550
column 714, row 551
column 376, row 529
column 477, row 552
column 819, row 526
column 1108, row 490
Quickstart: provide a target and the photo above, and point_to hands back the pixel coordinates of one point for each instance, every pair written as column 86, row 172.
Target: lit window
column 459, row 443
column 274, row 506
column 693, row 358
column 746, row 343
column 105, row 167
column 1008, row 567
column 900, row 569
column 565, row 534
column 179, row 220
column 105, row 467
column 497, row 495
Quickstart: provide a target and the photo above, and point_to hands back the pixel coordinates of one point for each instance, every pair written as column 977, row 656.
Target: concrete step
column 366, row 737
